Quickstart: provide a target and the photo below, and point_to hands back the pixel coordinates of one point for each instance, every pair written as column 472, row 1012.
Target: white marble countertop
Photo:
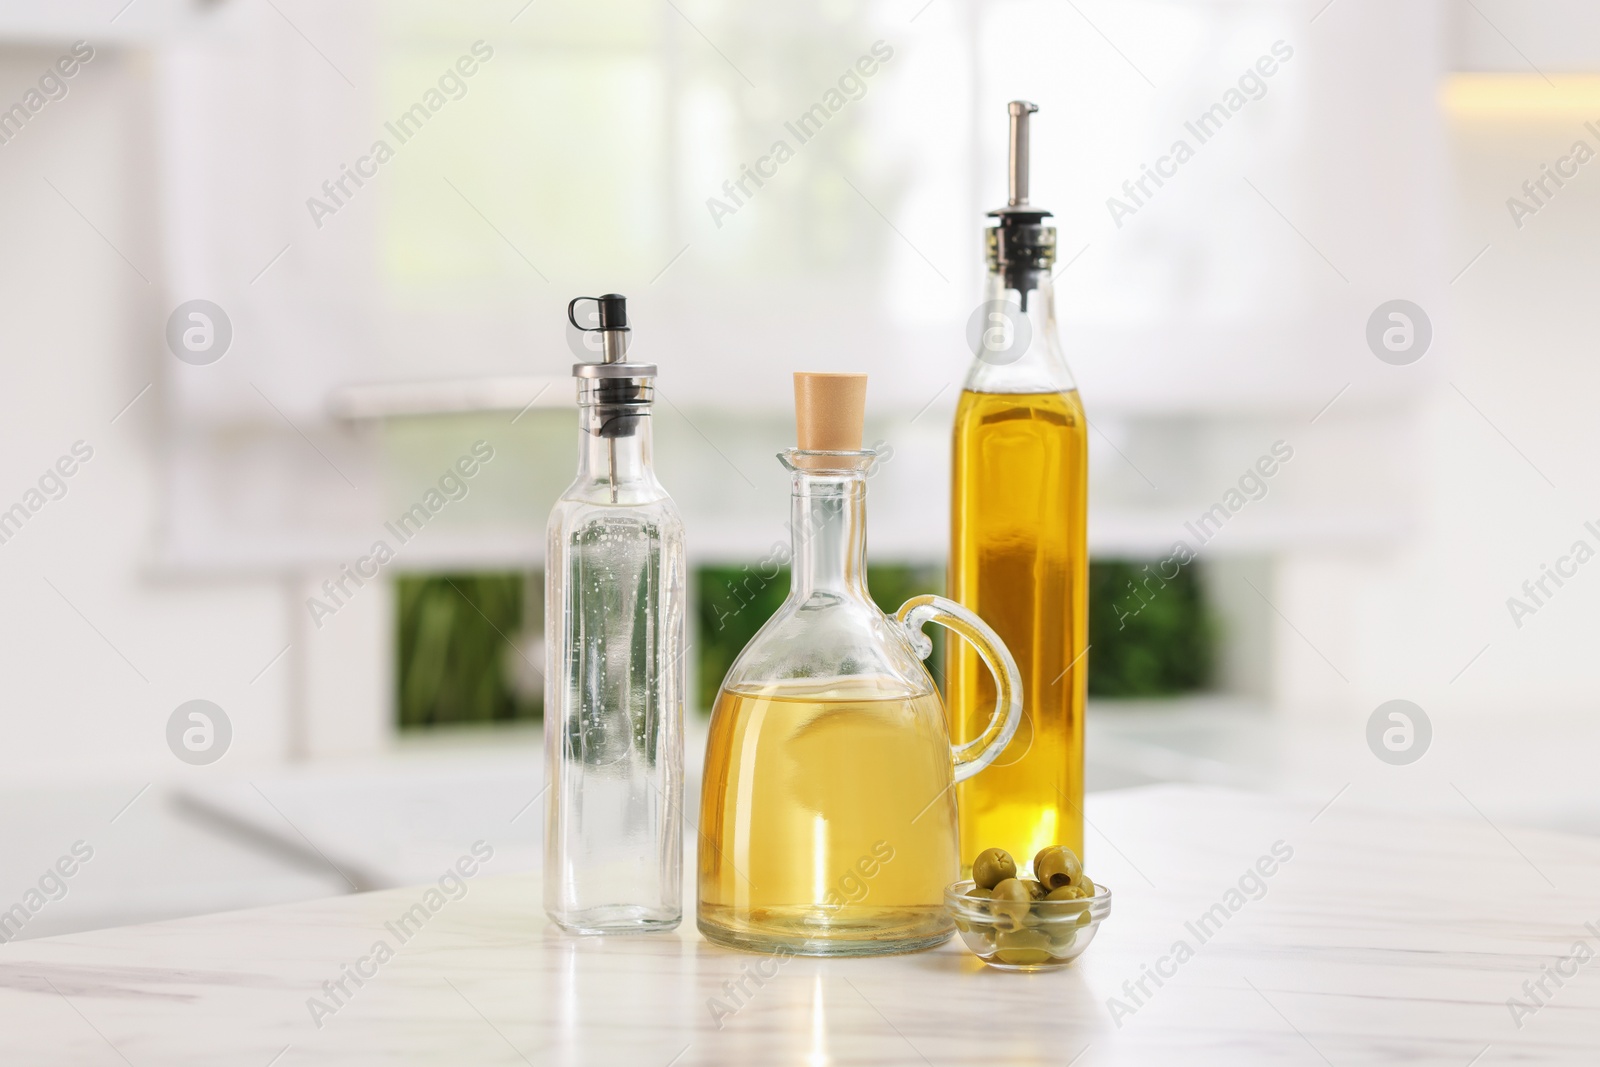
column 1384, row 939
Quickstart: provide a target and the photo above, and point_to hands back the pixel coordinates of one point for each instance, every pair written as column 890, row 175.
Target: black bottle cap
column 613, row 311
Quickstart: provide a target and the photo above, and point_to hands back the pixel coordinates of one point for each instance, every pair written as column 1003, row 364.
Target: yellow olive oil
column 1018, row 558
column 827, row 818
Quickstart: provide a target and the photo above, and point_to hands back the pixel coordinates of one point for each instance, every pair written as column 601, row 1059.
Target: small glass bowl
column 1050, row 934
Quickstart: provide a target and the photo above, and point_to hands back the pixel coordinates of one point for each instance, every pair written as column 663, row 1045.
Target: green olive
column 1035, row 890
column 1038, row 857
column 1052, row 913
column 981, row 904
column 1061, row 937
column 993, row 866
column 1022, row 947
column 1057, row 866
column 1082, row 891
column 1010, row 904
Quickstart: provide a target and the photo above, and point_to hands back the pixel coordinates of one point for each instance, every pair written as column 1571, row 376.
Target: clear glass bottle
column 1018, row 538
column 614, row 684
column 827, row 816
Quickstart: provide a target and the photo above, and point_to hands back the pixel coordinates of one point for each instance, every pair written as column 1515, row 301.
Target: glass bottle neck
column 829, row 528
column 1018, row 348
column 615, row 468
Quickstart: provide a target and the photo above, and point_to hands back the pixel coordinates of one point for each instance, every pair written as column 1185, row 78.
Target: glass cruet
column 614, row 686
column 828, row 820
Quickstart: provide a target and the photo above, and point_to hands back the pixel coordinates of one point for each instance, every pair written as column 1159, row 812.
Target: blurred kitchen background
column 378, row 331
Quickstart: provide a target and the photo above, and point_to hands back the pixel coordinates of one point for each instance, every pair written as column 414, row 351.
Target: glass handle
column 984, row 749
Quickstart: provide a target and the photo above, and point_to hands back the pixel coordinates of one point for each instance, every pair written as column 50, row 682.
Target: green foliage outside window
column 1151, row 636
column 456, row 635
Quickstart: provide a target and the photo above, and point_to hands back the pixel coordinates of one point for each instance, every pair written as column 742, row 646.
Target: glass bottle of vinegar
column 1018, row 551
column 828, row 823
column 614, row 625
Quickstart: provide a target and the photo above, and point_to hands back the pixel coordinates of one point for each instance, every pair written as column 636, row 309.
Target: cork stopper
column 829, row 410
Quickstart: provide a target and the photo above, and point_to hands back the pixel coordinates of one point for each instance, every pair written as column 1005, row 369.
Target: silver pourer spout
column 614, row 394
column 1020, row 110
column 1021, row 245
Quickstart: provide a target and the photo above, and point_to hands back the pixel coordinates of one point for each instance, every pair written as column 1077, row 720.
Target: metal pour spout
column 613, row 327
column 619, row 391
column 1018, row 158
column 1020, row 245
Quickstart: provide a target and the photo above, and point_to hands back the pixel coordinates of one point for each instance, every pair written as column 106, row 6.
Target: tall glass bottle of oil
column 1018, row 556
